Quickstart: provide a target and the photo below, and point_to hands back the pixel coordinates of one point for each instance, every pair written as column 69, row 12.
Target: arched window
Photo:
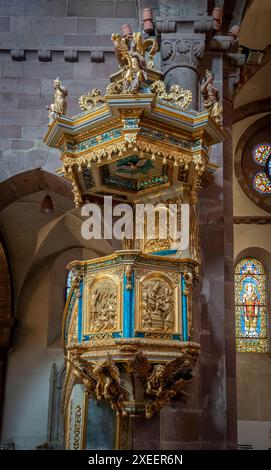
column 250, row 306
column 262, row 180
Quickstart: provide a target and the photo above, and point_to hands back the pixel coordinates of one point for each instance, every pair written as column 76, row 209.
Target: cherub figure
column 60, row 105
column 210, row 97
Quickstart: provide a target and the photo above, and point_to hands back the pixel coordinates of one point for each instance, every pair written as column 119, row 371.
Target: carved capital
column 181, row 50
column 231, row 82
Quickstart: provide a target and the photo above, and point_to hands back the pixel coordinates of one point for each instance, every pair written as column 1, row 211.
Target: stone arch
column 29, row 182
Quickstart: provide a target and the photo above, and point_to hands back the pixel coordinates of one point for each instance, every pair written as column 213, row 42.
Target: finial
column 147, row 18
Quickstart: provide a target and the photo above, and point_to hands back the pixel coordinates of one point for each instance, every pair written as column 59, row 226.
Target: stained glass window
column 250, row 306
column 262, row 183
column 261, row 153
column 269, row 167
column 262, row 180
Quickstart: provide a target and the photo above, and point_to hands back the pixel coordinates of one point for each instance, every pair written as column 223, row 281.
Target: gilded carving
column 210, row 97
column 129, row 273
column 165, row 381
column 103, row 306
column 102, row 381
column 77, row 427
column 194, row 235
column 69, row 425
column 59, row 106
column 130, row 52
column 91, row 100
column 73, row 330
column 177, row 95
column 157, row 305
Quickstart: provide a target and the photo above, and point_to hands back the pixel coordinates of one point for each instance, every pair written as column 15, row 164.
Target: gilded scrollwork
column 176, row 95
column 77, row 427
column 93, row 99
column 99, row 155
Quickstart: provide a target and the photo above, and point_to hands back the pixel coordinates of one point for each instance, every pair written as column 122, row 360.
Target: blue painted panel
column 184, row 312
column 164, row 252
column 140, row 335
column 176, row 337
column 116, row 334
column 128, row 309
column 80, row 312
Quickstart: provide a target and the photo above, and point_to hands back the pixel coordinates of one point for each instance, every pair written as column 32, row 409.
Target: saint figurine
column 210, row 97
column 60, row 105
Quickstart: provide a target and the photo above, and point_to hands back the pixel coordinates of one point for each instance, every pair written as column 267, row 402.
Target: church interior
column 120, row 344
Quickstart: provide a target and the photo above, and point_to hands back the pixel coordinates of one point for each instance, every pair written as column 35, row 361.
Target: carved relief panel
column 157, row 309
column 102, row 304
column 75, row 419
column 73, row 328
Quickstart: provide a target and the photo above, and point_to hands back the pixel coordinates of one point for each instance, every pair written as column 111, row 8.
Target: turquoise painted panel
column 139, row 334
column 184, row 312
column 128, row 309
column 164, row 252
column 80, row 312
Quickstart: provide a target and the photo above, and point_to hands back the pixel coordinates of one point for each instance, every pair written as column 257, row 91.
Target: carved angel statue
column 210, row 97
column 107, row 374
column 130, row 51
column 60, row 105
column 166, row 381
column 101, row 379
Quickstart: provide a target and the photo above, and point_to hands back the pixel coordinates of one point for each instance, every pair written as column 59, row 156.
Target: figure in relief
column 210, row 97
column 103, row 306
column 158, row 306
column 130, row 51
column 60, row 105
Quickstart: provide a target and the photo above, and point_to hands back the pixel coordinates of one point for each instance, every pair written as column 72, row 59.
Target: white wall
column 29, row 364
column 255, row 433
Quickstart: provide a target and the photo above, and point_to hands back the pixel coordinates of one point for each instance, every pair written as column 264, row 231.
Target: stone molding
column 247, row 220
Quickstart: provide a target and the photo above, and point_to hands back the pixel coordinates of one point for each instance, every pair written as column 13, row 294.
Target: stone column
column 182, row 49
column 230, row 82
column 217, row 336
column 180, row 58
column 3, row 366
column 183, row 27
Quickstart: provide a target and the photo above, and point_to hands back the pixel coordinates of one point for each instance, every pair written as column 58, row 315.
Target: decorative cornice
column 70, row 54
column 248, row 220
